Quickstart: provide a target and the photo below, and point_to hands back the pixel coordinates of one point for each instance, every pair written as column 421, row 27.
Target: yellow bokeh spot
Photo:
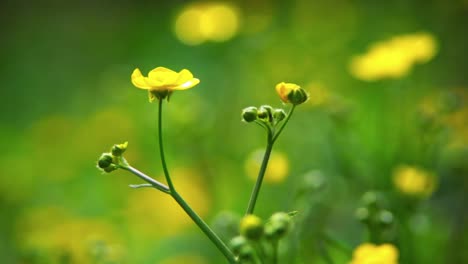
column 393, row 58
column 189, row 259
column 154, row 214
column 54, row 231
column 207, row 22
column 413, row 181
column 277, row 170
column 369, row 253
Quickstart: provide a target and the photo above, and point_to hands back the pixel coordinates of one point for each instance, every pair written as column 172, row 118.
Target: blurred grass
column 67, row 97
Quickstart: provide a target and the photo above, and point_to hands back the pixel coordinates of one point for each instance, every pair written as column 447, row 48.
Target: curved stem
column 190, row 212
column 291, row 111
column 261, row 175
column 274, row 245
column 161, row 147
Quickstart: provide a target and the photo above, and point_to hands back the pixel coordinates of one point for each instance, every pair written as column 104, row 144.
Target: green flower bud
column 298, row 96
column 278, row 226
column 251, row 227
column 362, row 214
column 385, row 218
column 237, row 243
column 119, row 149
column 105, row 160
column 110, row 168
column 269, row 113
column 249, row 114
column 371, row 199
column 279, row 114
column 246, row 253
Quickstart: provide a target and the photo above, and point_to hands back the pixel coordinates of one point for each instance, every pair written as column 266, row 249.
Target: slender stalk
column 261, row 174
column 163, row 188
column 291, row 111
column 190, row 212
column 161, row 147
column 274, row 245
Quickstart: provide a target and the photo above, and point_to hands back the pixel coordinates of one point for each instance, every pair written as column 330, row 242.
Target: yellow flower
column 413, row 181
column 372, row 254
column 161, row 82
column 291, row 93
column 394, row 58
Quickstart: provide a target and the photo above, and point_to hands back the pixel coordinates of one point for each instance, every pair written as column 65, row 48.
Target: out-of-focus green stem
column 261, row 174
column 190, row 212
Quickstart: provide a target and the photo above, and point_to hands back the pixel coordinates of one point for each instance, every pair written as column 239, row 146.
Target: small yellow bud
column 119, row 149
column 251, row 227
column 291, row 93
column 249, row 114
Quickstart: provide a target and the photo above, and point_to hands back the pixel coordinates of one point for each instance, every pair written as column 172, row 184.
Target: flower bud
column 362, row 214
column 266, row 113
column 251, row 227
column 246, row 253
column 298, row 96
column 385, row 218
column 105, row 160
column 119, row 149
column 249, row 114
column 279, row 114
column 278, row 226
column 237, row 243
column 291, row 93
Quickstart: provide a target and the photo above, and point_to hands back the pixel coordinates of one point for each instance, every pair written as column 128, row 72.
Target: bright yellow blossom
column 413, row 181
column 394, row 58
column 372, row 254
column 161, row 82
column 291, row 93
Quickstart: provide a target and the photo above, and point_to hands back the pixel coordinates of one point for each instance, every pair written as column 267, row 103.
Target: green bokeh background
column 67, row 97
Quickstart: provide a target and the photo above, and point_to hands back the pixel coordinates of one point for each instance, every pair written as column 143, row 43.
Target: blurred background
column 387, row 118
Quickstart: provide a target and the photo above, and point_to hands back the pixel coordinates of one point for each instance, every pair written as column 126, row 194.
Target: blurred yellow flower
column 291, row 93
column 161, row 82
column 413, row 181
column 198, row 23
column 372, row 254
column 188, row 259
column 277, row 169
column 53, row 231
column 393, row 58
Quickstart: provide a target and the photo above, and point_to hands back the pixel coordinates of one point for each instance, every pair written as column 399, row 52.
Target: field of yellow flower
column 372, row 167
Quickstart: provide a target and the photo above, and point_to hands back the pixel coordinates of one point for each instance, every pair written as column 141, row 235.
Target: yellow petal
column 162, row 76
column 187, row 85
column 184, row 76
column 139, row 80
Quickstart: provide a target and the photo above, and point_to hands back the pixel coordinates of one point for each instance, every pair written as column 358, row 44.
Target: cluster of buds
column 110, row 161
column 265, row 114
column 373, row 214
column 253, row 231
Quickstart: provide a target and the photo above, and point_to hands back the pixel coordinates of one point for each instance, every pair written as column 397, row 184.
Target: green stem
column 261, row 174
column 161, row 147
column 205, row 228
column 291, row 111
column 163, row 188
column 275, row 251
column 194, row 216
